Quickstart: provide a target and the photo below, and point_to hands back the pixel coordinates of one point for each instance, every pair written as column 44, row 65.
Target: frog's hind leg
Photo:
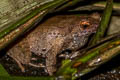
column 11, row 53
column 20, row 52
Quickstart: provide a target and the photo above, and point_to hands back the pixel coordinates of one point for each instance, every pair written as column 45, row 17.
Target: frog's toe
column 51, row 70
column 65, row 55
column 37, row 65
column 33, row 59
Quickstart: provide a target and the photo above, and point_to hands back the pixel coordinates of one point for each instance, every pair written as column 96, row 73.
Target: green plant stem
column 3, row 72
column 70, row 3
column 103, row 24
column 102, row 57
column 97, row 6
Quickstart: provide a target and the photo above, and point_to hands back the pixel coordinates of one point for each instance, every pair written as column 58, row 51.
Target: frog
column 51, row 37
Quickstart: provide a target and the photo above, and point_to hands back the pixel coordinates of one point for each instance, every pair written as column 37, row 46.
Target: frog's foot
column 37, row 65
column 33, row 59
column 51, row 70
column 20, row 65
column 74, row 55
column 65, row 55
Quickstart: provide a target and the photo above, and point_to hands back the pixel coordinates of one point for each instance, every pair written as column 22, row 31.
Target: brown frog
column 53, row 36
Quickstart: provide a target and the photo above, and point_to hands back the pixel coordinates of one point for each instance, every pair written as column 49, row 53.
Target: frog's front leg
column 50, row 63
column 51, row 55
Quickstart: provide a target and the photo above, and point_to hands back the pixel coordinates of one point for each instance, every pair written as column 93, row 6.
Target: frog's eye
column 85, row 24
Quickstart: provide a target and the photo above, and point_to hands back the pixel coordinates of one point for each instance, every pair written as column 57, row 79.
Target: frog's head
column 89, row 24
column 85, row 26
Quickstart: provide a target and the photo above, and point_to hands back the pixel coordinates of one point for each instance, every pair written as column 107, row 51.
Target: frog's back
column 41, row 39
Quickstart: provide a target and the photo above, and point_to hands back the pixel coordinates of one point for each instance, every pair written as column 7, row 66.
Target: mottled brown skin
column 53, row 36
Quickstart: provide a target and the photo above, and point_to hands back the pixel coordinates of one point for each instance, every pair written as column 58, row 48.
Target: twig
column 103, row 24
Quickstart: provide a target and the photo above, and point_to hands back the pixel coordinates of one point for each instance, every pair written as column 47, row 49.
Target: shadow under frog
column 51, row 37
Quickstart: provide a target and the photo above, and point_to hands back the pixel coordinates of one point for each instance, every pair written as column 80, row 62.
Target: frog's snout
column 93, row 29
